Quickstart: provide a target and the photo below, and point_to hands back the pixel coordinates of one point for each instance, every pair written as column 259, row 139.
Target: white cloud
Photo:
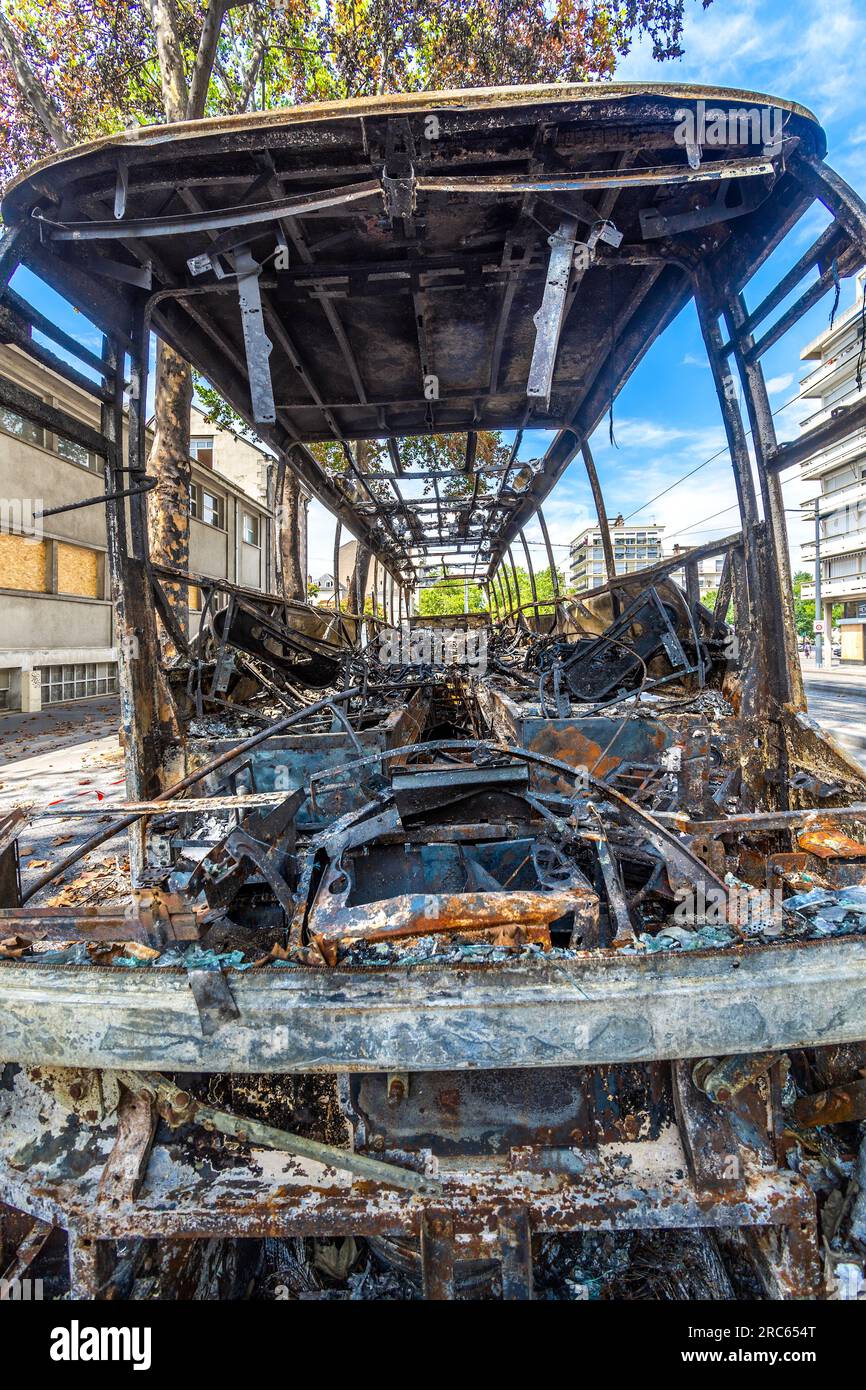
column 779, row 383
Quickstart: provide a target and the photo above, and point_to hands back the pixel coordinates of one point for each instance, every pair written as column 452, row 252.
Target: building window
column 78, row 571
column 13, row 423
column 206, row 506
column 251, row 528
column 201, row 449
column 5, row 688
column 61, row 683
column 23, row 564
column 194, row 598
column 76, row 453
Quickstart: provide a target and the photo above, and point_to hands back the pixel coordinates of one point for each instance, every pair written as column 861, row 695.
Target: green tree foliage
column 448, row 596
column 804, row 608
column 543, row 587
column 97, row 63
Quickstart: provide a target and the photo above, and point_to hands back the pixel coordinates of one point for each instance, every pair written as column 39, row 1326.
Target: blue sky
column 666, row 420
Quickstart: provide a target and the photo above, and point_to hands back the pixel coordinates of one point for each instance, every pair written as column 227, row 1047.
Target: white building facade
column 57, row 640
column 838, row 479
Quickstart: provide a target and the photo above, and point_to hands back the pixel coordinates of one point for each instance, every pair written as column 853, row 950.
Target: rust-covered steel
column 559, row 908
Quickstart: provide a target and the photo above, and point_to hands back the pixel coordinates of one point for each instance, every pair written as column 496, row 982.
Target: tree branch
column 204, row 59
column 31, row 88
column 175, row 94
column 257, row 54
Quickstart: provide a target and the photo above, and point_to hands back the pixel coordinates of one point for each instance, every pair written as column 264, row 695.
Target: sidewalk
column 66, row 753
column 832, row 677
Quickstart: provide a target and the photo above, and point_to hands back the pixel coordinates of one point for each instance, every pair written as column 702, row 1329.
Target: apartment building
column 709, row 572
column 57, row 640
column 838, row 478
column 634, row 547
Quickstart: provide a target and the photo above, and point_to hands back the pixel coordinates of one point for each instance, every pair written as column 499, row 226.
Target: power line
column 711, row 459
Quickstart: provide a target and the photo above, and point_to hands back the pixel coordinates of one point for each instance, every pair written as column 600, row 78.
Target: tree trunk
column 289, row 538
column 169, row 460
column 169, row 463
column 31, row 88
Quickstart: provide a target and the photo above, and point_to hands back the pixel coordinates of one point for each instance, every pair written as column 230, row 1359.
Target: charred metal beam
column 550, row 316
column 22, row 402
column 612, row 1008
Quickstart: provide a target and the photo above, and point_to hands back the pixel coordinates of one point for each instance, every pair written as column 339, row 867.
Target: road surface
column 837, row 701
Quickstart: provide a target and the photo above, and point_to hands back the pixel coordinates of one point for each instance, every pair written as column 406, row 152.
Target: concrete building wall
column 837, row 481
column 635, row 547
column 56, row 620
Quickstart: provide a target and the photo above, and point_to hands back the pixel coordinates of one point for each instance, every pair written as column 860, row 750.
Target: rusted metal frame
column 606, row 203
column 771, row 820
column 713, row 1154
column 190, row 780
column 509, row 289
column 603, row 1008
column 337, row 535
column 111, row 426
column 396, row 461
column 789, row 673
column 471, row 451
column 845, row 421
column 531, row 573
column 182, row 1105
column 124, row 1172
column 723, row 593
column 822, row 182
column 812, row 296
column 50, row 330
column 582, row 183
column 440, row 525
column 828, row 246
column 550, row 316
column 105, row 307
column 506, row 590
column 249, row 215
column 275, row 323
column 305, row 465
column 554, row 577
column 24, row 402
column 708, row 309
column 16, row 329
column 600, row 510
column 516, row 607
column 13, row 244
column 635, row 329
column 292, row 227
column 471, row 1219
column 693, row 586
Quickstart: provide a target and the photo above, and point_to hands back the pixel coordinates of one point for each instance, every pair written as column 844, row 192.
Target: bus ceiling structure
column 382, row 270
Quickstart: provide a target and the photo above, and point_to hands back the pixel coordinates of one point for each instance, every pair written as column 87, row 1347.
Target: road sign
column 818, row 627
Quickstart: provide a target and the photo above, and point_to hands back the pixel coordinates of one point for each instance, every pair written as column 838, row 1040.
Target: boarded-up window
column 23, row 564
column 77, row 571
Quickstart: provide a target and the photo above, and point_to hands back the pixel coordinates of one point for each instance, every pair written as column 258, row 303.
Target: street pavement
column 836, row 697
column 69, row 755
